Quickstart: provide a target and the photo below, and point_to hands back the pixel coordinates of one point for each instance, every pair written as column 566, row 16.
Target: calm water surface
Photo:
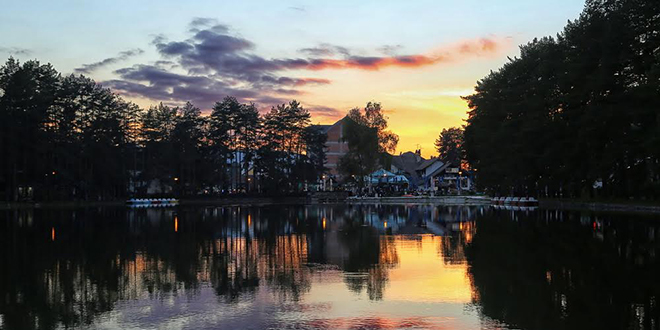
column 328, row 267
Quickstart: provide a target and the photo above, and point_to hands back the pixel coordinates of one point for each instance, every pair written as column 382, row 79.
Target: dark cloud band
column 213, row 63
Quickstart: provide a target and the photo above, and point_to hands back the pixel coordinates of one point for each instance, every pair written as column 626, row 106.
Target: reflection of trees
column 546, row 271
column 368, row 254
column 104, row 255
column 44, row 282
column 101, row 256
column 452, row 246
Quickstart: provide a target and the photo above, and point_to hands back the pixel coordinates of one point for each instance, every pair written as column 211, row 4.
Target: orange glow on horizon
column 454, row 52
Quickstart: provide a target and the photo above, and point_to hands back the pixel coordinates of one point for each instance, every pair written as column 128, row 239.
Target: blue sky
column 420, row 99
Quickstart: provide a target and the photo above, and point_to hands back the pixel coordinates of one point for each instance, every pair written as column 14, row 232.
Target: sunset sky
column 415, row 57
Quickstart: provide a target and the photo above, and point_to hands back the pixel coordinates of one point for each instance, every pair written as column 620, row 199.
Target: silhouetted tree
column 368, row 140
column 188, row 139
column 575, row 110
column 450, row 145
column 69, row 138
column 283, row 156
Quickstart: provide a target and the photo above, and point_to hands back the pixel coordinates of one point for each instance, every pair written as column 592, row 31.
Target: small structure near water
column 152, row 202
column 518, row 201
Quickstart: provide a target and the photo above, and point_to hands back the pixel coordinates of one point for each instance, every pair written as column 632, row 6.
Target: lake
column 328, row 267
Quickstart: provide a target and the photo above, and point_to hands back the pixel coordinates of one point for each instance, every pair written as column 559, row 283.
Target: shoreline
column 184, row 202
column 438, row 200
column 426, row 200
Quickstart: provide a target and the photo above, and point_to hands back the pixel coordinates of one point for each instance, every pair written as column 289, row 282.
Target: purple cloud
column 213, row 63
column 122, row 56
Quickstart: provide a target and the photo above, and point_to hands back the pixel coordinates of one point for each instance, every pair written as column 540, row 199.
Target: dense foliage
column 368, row 140
column 449, row 145
column 576, row 115
column 67, row 138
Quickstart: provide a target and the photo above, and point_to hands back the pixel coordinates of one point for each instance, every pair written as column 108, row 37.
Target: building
column 406, row 164
column 336, row 146
column 387, row 178
column 433, row 174
column 440, row 175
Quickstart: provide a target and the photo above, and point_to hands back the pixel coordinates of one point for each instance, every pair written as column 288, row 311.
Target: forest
column 576, row 115
column 68, row 138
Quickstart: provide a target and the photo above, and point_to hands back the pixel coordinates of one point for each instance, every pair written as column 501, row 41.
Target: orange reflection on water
column 176, row 224
column 412, row 271
column 378, row 322
column 52, row 234
column 422, row 274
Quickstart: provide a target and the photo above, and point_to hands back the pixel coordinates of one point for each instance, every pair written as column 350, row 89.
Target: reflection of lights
column 52, row 234
column 324, row 223
column 468, row 229
column 249, row 220
column 176, row 224
column 385, row 224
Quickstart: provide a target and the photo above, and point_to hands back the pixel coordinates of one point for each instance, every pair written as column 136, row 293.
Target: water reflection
column 326, row 267
column 566, row 270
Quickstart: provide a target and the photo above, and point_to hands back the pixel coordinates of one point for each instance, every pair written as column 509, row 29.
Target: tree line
column 576, row 115
column 68, row 138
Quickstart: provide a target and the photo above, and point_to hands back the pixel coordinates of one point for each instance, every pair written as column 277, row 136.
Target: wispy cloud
column 465, row 49
column 390, row 50
column 299, row 8
column 325, row 50
column 15, row 51
column 122, row 56
column 326, row 112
